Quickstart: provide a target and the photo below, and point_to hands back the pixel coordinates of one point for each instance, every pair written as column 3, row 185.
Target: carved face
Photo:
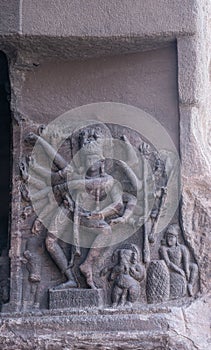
column 171, row 239
column 125, row 256
column 91, row 149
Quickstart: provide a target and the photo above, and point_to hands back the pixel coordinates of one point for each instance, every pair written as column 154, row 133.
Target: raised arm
column 56, row 158
column 53, row 177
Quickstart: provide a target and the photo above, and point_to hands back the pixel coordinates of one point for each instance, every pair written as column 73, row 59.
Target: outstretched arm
column 56, row 158
column 132, row 159
column 50, row 177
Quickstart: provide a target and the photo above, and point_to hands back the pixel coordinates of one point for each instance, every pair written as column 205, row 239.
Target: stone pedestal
column 75, row 298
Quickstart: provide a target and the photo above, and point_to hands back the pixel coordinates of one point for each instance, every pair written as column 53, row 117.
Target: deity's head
column 91, row 143
column 172, row 234
column 128, row 253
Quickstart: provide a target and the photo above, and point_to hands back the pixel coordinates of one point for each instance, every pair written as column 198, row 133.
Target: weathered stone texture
column 49, row 45
column 174, row 328
column 108, row 18
column 194, row 94
column 10, row 16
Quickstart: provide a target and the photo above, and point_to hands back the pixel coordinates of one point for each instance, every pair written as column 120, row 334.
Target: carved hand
column 96, row 216
column 32, row 163
column 138, row 272
column 23, row 260
column 181, row 272
column 27, row 254
column 31, row 138
column 23, row 170
column 133, row 272
column 24, row 192
column 85, row 213
column 125, row 139
column 119, row 220
column 164, row 189
column 177, row 269
column 68, row 170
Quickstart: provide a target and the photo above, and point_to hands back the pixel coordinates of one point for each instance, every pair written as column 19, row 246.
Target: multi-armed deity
column 87, row 203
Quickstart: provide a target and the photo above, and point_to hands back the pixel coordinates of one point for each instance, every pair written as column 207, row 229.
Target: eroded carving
column 126, row 275
column 32, row 258
column 160, row 193
column 183, row 272
column 90, row 191
column 97, row 183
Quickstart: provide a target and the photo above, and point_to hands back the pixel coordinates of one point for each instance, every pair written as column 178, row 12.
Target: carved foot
column 36, row 306
column 128, row 304
column 66, row 285
column 87, row 272
column 115, row 305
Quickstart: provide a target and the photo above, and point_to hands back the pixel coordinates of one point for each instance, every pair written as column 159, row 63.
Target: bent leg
column 133, row 293
column 94, row 252
column 60, row 259
column 116, row 295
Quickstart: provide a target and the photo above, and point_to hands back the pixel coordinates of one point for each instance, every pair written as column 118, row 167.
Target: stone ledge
column 92, row 341
column 106, row 329
column 162, row 326
column 100, row 18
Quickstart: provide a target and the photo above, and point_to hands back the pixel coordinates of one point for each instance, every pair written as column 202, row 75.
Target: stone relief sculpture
column 97, row 182
column 104, row 196
column 183, row 272
column 160, row 193
column 175, row 275
column 32, row 258
column 126, row 275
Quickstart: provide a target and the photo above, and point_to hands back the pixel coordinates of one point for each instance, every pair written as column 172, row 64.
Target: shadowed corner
column 5, row 145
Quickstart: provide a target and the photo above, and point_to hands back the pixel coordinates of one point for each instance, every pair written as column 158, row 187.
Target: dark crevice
column 5, row 147
column 5, row 161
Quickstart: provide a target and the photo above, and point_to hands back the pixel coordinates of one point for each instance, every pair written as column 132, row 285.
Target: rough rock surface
column 110, row 28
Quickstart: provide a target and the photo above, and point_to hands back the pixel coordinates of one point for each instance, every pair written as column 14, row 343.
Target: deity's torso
column 96, row 193
column 175, row 255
